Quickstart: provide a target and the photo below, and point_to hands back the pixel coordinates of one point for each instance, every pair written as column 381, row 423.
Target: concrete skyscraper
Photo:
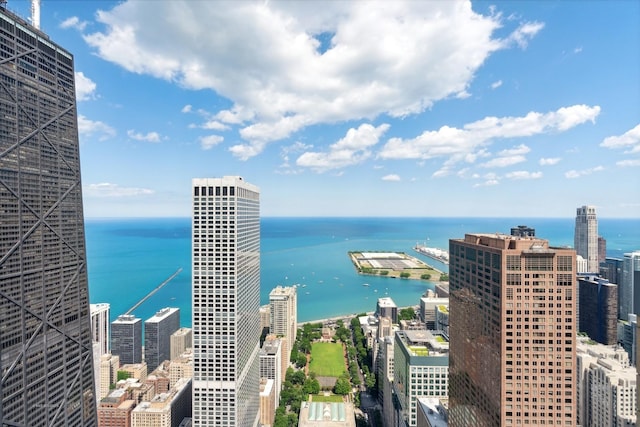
column 157, row 336
column 283, row 309
column 585, row 237
column 512, row 332
column 226, row 302
column 46, row 363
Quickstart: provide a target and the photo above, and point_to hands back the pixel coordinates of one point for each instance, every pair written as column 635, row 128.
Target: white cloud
column 487, row 183
column 391, row 177
column 215, row 125
column 502, row 162
column 524, row 34
column 106, row 189
column 629, row 140
column 523, row 175
column 210, row 141
column 470, row 142
column 496, row 85
column 73, row 22
column 88, row 128
column 149, row 137
column 572, row 174
column 628, row 163
column 85, row 87
column 395, row 58
column 186, row 109
column 548, row 161
column 350, row 150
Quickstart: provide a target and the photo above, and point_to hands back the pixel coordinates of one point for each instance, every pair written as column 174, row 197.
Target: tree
column 405, row 275
column 311, row 386
column 342, row 386
column 407, row 314
column 301, row 360
column 444, row 277
column 425, row 276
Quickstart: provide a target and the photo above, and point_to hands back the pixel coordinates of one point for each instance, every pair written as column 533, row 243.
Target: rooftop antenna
column 35, row 13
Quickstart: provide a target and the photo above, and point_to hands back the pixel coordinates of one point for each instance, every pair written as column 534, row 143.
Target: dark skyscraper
column 126, row 339
column 46, row 362
column 598, row 309
column 157, row 336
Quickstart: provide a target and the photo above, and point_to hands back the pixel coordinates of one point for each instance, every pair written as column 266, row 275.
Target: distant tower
column 629, row 298
column 586, row 237
column 505, row 330
column 126, row 339
column 283, row 310
column 157, row 336
column 46, row 354
column 226, row 302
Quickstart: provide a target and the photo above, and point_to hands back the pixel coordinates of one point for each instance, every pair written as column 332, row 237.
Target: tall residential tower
column 512, row 332
column 46, row 367
column 226, row 302
column 586, row 237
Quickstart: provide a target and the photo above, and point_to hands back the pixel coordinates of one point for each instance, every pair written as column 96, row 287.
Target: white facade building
column 226, row 302
column 283, row 312
column 586, row 237
column 606, row 386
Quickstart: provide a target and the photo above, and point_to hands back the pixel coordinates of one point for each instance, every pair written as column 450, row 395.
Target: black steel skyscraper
column 46, row 363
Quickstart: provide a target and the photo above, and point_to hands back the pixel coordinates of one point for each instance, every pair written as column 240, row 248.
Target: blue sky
column 418, row 108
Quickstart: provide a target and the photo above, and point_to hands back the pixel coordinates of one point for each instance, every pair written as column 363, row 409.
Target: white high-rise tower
column 586, row 237
column 226, row 302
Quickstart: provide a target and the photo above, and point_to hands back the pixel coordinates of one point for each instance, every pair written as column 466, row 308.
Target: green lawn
column 329, row 398
column 327, row 359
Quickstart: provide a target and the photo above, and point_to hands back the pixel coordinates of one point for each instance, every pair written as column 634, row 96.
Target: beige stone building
column 512, row 332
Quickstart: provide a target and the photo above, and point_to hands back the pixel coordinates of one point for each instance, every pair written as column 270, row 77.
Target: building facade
column 226, row 302
column 512, row 332
column 271, row 364
column 586, row 237
column 126, row 338
column 157, row 336
column 421, row 369
column 181, row 341
column 100, row 316
column 46, row 352
column 606, row 385
column 630, row 299
column 386, row 307
column 283, row 312
column 598, row 309
column 109, row 365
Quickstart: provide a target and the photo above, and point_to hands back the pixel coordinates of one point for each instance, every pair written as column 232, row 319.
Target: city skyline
column 516, row 99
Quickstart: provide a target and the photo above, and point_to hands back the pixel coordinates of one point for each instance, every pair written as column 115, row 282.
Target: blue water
column 127, row 258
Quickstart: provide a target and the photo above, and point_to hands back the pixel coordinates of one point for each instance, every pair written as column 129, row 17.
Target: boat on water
column 365, row 284
column 434, row 253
